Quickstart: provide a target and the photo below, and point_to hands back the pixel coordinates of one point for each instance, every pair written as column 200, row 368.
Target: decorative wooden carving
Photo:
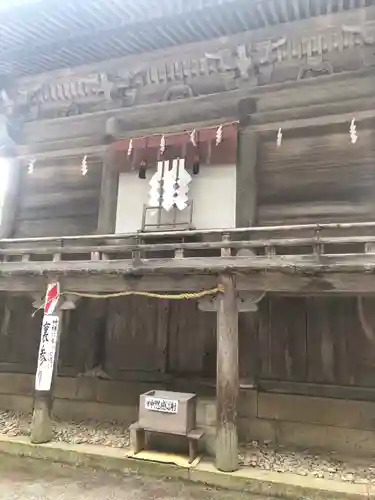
column 236, row 63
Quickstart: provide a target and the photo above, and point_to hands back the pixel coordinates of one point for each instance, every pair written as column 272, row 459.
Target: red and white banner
column 52, row 298
column 48, row 339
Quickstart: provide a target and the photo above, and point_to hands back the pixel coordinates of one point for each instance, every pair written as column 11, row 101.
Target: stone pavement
column 265, row 484
column 257, row 455
column 28, row 479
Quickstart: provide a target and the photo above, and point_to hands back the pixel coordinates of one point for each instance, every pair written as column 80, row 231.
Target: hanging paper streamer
column 84, row 167
column 219, row 135
column 155, row 183
column 30, row 167
column 193, row 138
column 130, row 148
column 170, row 185
column 353, row 132
column 175, row 185
column 279, row 138
column 162, row 145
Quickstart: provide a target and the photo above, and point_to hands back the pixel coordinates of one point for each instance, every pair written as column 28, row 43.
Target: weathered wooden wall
column 56, row 200
column 324, row 340
column 317, row 340
column 19, row 334
column 316, row 178
column 309, row 179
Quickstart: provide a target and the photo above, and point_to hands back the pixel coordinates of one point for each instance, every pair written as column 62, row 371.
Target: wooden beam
column 103, row 283
column 336, row 283
column 11, row 199
column 288, row 264
column 311, row 91
column 108, row 199
column 227, row 383
column 142, row 120
column 319, row 115
column 67, row 153
column 219, row 106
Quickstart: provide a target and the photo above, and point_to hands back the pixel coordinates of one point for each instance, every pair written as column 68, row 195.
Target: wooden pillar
column 108, row 199
column 48, row 356
column 246, row 179
column 227, row 381
column 8, row 211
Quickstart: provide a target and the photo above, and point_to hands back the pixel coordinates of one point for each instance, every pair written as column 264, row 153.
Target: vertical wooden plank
column 246, row 181
column 353, row 339
column 365, row 338
column 314, row 338
column 264, row 338
column 132, row 335
column 108, row 199
column 340, row 353
column 162, row 334
column 347, row 340
column 191, row 339
column 280, row 356
column 288, row 339
column 248, row 347
column 227, row 384
column 295, row 316
column 327, row 346
column 320, row 341
column 8, row 210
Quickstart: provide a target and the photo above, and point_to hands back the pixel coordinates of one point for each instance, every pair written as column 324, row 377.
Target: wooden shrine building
column 218, row 150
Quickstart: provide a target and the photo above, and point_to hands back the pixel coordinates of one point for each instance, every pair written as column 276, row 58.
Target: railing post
column 226, row 252
column 179, row 253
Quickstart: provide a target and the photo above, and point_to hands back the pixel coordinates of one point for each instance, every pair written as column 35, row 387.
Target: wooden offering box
column 166, row 411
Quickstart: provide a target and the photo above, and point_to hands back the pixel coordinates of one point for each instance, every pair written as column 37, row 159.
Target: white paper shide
column 161, row 404
column 47, row 350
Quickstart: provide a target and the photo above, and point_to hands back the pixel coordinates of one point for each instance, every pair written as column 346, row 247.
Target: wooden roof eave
column 33, row 43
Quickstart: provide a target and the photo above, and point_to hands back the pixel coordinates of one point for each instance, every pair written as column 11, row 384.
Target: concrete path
column 28, row 479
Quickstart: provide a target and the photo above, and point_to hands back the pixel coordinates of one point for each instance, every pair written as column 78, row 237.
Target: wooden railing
column 307, row 239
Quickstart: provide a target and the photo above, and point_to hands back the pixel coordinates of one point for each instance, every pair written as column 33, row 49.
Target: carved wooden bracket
column 68, row 301
column 246, row 302
column 38, row 300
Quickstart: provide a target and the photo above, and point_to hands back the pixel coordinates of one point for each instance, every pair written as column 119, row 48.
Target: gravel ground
column 25, row 479
column 90, row 432
column 255, row 454
column 305, row 463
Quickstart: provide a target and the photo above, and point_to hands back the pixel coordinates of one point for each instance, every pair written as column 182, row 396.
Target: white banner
column 161, row 404
column 47, row 350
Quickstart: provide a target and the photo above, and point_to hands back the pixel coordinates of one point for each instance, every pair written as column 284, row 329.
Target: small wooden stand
column 193, row 438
